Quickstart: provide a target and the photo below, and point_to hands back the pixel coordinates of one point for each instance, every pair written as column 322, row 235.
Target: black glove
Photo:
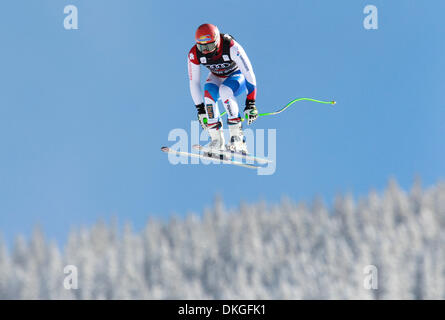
column 202, row 115
column 250, row 111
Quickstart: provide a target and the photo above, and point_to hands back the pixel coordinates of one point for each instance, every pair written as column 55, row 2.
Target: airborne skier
column 230, row 75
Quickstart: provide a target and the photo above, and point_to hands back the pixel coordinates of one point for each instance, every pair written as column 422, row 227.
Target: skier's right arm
column 195, row 77
column 195, row 85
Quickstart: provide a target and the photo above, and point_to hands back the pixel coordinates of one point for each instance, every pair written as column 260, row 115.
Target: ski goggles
column 206, row 47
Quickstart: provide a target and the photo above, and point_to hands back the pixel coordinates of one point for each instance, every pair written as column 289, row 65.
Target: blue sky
column 83, row 113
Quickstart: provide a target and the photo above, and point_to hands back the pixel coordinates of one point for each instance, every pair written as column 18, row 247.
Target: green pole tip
column 333, row 102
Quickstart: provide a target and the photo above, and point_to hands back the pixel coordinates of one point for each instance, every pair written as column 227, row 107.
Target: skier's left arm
column 240, row 57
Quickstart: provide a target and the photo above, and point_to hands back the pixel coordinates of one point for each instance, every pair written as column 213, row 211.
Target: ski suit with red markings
column 230, row 75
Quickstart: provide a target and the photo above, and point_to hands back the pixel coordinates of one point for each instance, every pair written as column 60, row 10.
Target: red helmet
column 207, row 38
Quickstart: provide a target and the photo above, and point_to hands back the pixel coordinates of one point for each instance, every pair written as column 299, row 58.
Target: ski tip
column 164, row 149
column 334, row 102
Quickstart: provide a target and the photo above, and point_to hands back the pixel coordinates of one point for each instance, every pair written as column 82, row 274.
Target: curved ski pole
column 287, row 106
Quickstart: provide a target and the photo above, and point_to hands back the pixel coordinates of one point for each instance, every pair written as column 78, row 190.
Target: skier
column 230, row 75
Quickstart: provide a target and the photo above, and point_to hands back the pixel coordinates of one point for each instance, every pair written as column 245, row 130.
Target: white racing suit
column 230, row 75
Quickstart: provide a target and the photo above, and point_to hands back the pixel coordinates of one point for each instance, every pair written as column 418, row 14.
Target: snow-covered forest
column 281, row 251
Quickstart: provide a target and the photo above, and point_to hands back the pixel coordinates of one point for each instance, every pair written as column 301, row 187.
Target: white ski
column 230, row 154
column 202, row 156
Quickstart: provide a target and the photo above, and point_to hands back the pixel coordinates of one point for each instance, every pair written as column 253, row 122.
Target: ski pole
column 285, row 107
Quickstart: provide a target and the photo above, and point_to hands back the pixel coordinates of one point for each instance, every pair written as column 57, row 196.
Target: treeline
column 282, row 251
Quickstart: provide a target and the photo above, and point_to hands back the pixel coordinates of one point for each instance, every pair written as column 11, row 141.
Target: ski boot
column 216, row 145
column 237, row 142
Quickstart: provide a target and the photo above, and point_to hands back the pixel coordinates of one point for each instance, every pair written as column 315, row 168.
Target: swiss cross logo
column 192, row 56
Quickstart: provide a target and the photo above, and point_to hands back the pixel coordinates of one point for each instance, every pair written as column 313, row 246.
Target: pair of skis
column 224, row 156
column 228, row 156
